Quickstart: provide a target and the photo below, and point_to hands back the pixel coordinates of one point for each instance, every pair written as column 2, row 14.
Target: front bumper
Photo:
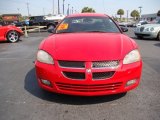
column 150, row 35
column 88, row 86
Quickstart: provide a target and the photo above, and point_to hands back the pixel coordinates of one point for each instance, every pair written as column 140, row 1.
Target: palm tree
column 158, row 13
column 0, row 18
column 135, row 14
column 87, row 9
column 120, row 12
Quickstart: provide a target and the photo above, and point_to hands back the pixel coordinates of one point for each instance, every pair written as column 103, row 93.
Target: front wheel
column 50, row 27
column 158, row 37
column 12, row 36
column 139, row 37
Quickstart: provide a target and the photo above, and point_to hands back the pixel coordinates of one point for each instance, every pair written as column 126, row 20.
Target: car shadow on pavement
column 5, row 42
column 157, row 44
column 144, row 39
column 31, row 85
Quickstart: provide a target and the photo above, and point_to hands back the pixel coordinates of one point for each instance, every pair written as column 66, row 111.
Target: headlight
column 147, row 29
column 133, row 56
column 151, row 29
column 44, row 57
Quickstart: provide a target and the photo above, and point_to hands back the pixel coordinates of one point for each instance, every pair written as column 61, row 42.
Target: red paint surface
column 88, row 47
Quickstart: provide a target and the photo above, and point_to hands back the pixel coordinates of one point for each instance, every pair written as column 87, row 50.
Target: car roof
column 36, row 16
column 87, row 14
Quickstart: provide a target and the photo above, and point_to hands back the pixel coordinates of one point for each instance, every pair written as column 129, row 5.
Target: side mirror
column 51, row 30
column 124, row 29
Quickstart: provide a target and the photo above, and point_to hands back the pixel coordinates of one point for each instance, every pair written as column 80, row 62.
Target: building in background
column 10, row 18
column 149, row 17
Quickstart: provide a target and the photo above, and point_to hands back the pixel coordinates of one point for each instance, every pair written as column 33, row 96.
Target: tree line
column 135, row 13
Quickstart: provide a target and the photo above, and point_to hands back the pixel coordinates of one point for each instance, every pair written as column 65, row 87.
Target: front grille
column 72, row 64
column 89, row 88
column 102, row 75
column 102, row 64
column 139, row 34
column 74, row 75
column 141, row 29
column 79, row 75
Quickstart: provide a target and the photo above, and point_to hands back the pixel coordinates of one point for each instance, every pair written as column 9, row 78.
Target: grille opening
column 74, row 75
column 72, row 64
column 141, row 29
column 102, row 75
column 89, row 88
column 103, row 64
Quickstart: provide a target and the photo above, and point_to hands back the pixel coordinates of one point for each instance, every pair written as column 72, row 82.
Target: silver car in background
column 141, row 23
column 148, row 31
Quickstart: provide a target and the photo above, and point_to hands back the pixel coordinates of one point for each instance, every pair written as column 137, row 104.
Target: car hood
column 151, row 25
column 88, row 46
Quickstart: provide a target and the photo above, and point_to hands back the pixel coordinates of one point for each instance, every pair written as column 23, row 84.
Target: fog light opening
column 46, row 82
column 131, row 82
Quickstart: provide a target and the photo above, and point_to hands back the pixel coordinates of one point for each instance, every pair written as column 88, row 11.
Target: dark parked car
column 40, row 21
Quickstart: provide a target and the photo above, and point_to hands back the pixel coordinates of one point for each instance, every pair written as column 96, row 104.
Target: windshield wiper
column 63, row 32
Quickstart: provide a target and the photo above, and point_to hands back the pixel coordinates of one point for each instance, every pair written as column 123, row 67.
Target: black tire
column 139, row 37
column 13, row 36
column 51, row 26
column 158, row 36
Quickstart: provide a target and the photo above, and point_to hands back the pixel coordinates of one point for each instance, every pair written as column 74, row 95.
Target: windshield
column 87, row 24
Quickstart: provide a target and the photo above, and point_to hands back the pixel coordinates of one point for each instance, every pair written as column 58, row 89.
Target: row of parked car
column 144, row 29
column 35, row 21
column 133, row 24
column 12, row 32
column 151, row 31
column 48, row 21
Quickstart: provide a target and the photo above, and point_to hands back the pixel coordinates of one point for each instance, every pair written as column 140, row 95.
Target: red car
column 88, row 55
column 10, row 33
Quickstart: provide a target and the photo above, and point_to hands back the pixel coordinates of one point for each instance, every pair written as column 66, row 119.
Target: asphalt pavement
column 22, row 99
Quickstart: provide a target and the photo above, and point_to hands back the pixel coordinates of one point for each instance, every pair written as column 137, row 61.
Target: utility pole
column 18, row 10
column 127, row 15
column 28, row 8
column 72, row 10
column 53, row 7
column 68, row 9
column 43, row 11
column 140, row 11
column 63, row 7
column 19, row 14
column 58, row 8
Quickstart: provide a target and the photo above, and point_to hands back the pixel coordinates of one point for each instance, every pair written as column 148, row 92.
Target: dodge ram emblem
column 88, row 71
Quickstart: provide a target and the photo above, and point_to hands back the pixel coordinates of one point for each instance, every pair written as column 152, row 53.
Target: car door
column 2, row 32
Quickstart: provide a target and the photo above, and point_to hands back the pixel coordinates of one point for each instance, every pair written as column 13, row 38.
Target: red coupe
column 88, row 55
column 10, row 33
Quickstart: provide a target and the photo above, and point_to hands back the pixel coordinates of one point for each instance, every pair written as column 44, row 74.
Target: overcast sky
column 110, row 7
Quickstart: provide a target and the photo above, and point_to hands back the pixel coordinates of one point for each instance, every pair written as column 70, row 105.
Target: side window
column 143, row 23
column 110, row 26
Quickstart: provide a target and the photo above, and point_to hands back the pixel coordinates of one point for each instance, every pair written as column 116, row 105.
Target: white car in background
column 55, row 17
column 148, row 31
column 127, row 24
column 141, row 23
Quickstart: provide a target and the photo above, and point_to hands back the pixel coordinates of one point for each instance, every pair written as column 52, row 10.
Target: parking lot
column 22, row 99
